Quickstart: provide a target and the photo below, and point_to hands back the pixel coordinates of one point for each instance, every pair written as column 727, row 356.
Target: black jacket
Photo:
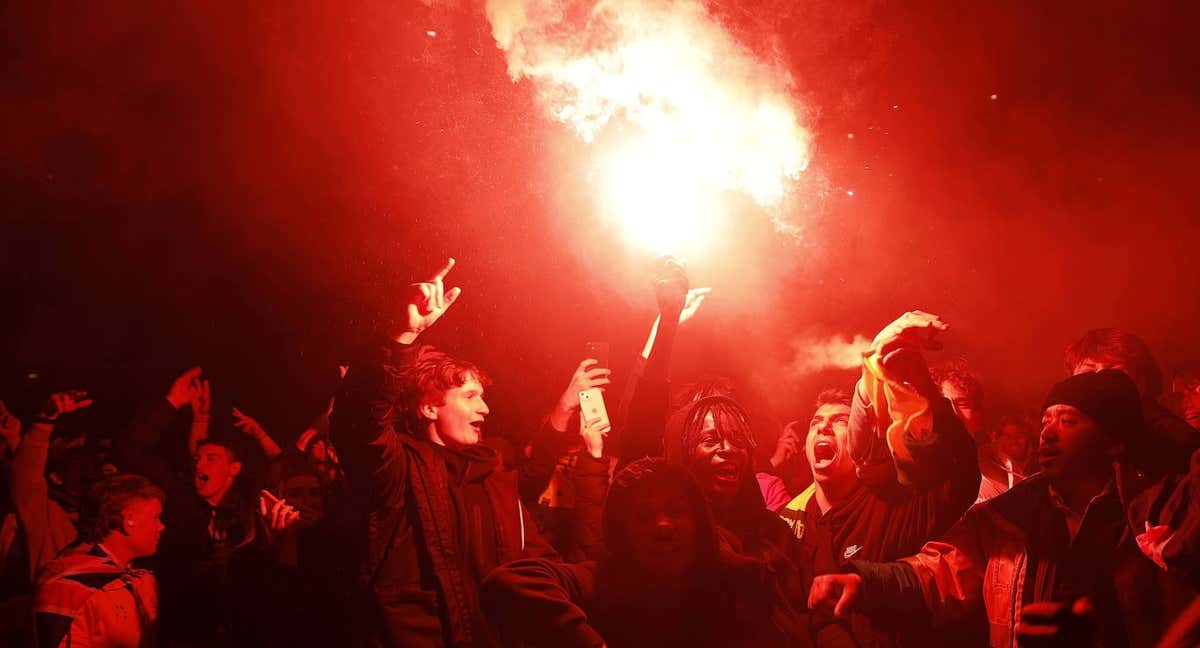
column 414, row 563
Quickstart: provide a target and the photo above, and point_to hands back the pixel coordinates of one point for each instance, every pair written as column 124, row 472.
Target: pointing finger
column 441, row 274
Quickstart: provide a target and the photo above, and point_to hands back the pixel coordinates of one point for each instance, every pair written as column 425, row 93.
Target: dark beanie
column 1108, row 397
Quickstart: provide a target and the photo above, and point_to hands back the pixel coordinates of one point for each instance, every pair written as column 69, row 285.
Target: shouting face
column 215, row 469
column 827, row 444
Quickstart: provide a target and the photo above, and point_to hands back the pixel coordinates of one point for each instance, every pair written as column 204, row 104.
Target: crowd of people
column 904, row 512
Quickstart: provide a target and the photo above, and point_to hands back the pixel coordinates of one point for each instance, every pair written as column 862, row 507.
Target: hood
column 645, row 473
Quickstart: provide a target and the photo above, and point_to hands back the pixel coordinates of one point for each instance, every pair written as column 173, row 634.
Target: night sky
column 247, row 187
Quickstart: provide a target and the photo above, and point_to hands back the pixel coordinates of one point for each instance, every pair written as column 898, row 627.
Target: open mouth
column 478, row 425
column 201, row 479
column 824, row 451
column 726, row 472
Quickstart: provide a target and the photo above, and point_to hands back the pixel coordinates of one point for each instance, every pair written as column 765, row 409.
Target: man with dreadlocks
column 710, row 437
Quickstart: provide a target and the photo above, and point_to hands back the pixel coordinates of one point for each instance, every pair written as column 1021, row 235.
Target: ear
column 428, row 411
column 236, row 468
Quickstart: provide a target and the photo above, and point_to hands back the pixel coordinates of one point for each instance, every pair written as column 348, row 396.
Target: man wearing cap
column 1057, row 537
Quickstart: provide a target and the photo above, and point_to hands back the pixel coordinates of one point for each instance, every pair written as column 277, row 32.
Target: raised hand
column 276, row 513
column 429, row 300
column 65, row 403
column 587, row 375
column 899, row 345
column 671, row 287
column 185, row 388
column 201, row 402
column 691, row 303
column 836, row 592
column 246, row 424
column 789, row 445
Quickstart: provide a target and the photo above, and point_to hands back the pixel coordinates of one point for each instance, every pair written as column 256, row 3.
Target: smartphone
column 598, row 351
column 591, row 406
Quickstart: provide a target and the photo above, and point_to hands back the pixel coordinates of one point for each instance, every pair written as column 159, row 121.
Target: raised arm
column 27, row 482
column 251, row 428
column 900, row 425
column 557, row 434
column 138, row 445
column 366, row 416
column 641, row 430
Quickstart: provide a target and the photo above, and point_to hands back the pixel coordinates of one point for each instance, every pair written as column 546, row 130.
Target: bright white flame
column 707, row 116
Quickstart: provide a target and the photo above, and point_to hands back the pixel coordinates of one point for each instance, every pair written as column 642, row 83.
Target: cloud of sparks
column 677, row 111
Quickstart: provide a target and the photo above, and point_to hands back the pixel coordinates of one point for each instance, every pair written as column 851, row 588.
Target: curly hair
column 102, row 509
column 433, row 374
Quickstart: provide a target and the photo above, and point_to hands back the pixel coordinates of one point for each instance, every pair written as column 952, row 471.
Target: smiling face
column 718, row 463
column 458, row 421
column 827, row 445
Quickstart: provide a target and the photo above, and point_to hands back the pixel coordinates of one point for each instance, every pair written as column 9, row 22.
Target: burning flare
column 681, row 110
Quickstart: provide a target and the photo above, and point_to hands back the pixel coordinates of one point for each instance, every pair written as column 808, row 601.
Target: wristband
column 44, row 420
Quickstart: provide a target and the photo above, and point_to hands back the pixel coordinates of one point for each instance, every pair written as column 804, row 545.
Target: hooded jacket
column 722, row 600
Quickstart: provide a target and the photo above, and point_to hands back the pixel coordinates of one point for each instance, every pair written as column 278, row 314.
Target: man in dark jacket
column 441, row 512
column 1056, row 537
column 895, row 467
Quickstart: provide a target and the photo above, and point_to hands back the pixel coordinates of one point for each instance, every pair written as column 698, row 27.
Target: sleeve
column 774, row 492
column 645, row 416
column 367, row 419
column 46, row 526
column 549, row 445
column 591, row 487
column 944, row 581
column 537, row 602
column 898, row 434
column 1166, row 521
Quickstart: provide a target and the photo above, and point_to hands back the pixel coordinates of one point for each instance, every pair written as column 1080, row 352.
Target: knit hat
column 1108, row 397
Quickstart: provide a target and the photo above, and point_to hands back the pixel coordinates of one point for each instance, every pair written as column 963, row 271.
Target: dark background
column 246, row 186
